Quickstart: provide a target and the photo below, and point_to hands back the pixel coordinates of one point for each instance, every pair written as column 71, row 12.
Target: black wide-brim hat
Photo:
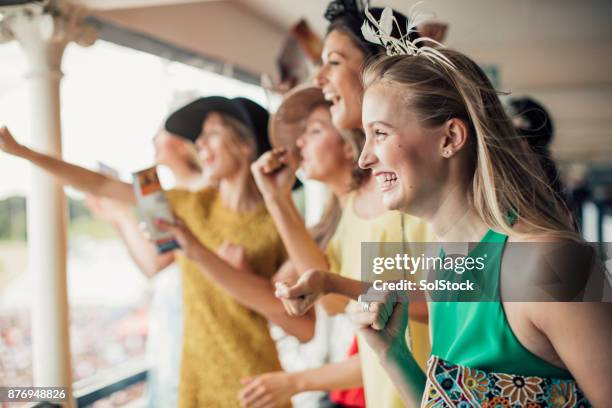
column 187, row 121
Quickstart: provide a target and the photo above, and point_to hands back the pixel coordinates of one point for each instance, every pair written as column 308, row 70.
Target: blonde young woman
column 303, row 124
column 226, row 335
column 436, row 130
column 364, row 217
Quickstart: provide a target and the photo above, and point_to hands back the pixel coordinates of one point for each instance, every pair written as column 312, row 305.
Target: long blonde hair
column 507, row 177
column 240, row 134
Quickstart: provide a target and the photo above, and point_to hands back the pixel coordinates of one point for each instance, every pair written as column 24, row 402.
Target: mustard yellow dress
column 223, row 341
column 343, row 253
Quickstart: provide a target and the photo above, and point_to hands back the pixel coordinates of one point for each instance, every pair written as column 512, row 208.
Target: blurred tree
column 13, row 220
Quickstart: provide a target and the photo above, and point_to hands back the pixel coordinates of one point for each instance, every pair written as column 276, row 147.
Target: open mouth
column 386, row 180
column 206, row 158
column 332, row 97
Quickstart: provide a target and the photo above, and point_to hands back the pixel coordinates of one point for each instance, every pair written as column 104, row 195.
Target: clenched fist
column 274, row 173
column 300, row 297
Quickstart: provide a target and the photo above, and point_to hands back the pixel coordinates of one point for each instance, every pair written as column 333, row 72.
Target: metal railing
column 101, row 386
column 90, row 390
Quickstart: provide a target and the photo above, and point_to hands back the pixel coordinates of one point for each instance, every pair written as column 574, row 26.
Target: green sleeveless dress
column 478, row 361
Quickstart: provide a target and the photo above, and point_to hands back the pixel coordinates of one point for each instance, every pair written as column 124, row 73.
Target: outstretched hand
column 106, row 209
column 8, row 144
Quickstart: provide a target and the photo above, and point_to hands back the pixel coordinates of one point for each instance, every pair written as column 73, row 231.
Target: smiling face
column 340, row 79
column 404, row 157
column 220, row 150
column 324, row 153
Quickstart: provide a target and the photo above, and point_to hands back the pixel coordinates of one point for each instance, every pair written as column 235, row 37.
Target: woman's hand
column 274, row 173
column 383, row 324
column 234, row 255
column 107, row 210
column 8, row 144
column 434, row 30
column 286, row 273
column 190, row 245
column 267, row 390
column 300, row 297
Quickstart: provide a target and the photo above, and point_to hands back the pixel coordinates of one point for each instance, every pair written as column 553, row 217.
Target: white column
column 43, row 33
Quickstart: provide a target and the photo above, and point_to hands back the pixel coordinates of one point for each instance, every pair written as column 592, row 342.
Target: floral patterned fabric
column 450, row 385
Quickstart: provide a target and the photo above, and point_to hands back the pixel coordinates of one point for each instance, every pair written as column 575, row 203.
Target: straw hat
column 289, row 122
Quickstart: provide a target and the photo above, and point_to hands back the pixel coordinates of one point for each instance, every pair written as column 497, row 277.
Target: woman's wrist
column 278, row 199
column 396, row 356
column 400, row 364
column 23, row 151
column 124, row 218
column 299, row 382
column 350, row 288
column 196, row 252
column 329, row 285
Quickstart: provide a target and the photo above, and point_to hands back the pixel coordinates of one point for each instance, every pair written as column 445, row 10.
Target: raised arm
column 252, row 291
column 69, row 174
column 383, row 326
column 275, row 176
column 122, row 218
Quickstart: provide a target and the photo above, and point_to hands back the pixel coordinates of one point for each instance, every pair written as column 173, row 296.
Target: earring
column 447, row 153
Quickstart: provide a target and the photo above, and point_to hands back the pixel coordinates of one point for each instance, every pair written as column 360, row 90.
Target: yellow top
column 343, row 253
column 223, row 341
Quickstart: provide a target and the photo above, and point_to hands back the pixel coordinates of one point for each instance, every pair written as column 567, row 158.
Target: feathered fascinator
column 350, row 15
column 381, row 32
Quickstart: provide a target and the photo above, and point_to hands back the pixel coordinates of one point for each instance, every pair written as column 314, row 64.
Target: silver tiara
column 379, row 32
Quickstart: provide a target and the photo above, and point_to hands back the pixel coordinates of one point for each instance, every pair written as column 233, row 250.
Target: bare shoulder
column 550, row 283
column 542, row 267
column 552, row 272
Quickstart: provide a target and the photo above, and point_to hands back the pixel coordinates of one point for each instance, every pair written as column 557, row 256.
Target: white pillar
column 43, row 33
